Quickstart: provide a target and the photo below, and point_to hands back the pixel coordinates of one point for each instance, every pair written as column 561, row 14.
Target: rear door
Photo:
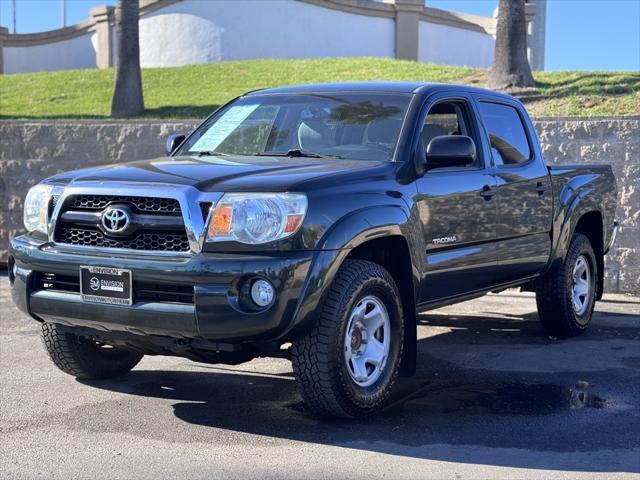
column 457, row 209
column 524, row 198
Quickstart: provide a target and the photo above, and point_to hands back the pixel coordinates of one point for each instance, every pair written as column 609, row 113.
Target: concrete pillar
column 536, row 15
column 103, row 17
column 408, row 28
column 4, row 32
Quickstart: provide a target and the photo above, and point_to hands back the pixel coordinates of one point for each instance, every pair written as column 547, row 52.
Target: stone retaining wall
column 31, row 151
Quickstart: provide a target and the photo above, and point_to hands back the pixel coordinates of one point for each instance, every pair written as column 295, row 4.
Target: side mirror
column 173, row 142
column 450, row 151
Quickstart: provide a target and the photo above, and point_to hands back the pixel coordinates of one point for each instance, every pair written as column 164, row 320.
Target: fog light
column 262, row 293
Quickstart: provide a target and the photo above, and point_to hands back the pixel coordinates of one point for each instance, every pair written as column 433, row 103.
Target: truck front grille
column 159, row 292
column 158, row 224
column 159, row 206
column 162, row 242
column 142, row 291
column 60, row 283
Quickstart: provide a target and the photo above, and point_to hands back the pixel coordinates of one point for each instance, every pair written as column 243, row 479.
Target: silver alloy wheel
column 581, row 285
column 367, row 341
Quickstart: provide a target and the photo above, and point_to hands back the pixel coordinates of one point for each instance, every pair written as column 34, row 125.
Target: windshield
column 354, row 126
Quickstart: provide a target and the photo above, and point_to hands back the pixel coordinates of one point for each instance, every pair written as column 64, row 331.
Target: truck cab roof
column 415, row 87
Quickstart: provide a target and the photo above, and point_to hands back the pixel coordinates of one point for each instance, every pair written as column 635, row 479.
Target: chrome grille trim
column 189, row 199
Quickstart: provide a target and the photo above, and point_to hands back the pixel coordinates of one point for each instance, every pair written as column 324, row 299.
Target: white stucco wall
column 200, row 31
column 68, row 54
column 454, row 46
column 207, row 31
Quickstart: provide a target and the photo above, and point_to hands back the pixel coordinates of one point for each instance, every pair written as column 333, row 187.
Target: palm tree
column 127, row 92
column 510, row 65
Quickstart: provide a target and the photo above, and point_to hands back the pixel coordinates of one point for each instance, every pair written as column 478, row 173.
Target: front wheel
column 84, row 358
column 566, row 295
column 347, row 364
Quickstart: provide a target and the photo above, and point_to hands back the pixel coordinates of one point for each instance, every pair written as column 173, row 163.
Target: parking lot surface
column 494, row 397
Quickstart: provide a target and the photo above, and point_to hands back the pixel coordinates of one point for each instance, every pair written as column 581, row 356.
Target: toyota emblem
column 115, row 220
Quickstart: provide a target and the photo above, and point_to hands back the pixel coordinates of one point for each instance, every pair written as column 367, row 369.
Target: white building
column 185, row 32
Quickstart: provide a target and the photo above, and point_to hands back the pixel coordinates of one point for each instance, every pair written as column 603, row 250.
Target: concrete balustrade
column 182, row 32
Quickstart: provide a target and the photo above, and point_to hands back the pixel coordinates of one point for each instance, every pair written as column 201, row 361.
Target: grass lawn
column 194, row 91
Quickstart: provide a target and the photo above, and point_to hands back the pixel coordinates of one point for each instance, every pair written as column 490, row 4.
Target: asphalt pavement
column 493, row 398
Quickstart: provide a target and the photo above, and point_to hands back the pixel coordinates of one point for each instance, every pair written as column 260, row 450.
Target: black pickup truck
column 312, row 223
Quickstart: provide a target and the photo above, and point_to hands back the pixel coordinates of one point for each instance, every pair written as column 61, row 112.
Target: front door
column 457, row 211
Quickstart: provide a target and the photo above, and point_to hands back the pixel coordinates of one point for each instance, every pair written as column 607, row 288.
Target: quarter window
column 508, row 138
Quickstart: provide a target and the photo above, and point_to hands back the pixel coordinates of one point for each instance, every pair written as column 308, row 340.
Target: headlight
column 256, row 218
column 36, row 208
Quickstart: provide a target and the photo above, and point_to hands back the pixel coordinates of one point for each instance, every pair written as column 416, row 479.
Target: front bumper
column 213, row 315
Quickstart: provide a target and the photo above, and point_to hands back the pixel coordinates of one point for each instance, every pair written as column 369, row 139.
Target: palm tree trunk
column 127, row 98
column 510, row 65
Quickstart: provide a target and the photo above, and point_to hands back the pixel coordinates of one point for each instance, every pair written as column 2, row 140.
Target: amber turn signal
column 221, row 220
column 293, row 223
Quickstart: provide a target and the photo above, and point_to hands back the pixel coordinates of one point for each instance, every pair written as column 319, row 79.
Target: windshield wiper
column 296, row 152
column 211, row 153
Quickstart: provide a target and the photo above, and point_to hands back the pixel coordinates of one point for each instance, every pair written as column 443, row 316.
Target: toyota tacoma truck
column 312, row 223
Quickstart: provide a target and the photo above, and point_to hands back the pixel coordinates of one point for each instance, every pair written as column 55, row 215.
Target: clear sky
column 581, row 34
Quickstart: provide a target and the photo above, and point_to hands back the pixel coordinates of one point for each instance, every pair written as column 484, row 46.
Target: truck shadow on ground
column 454, row 409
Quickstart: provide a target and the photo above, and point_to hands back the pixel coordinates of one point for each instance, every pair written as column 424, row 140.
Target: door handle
column 487, row 192
column 541, row 188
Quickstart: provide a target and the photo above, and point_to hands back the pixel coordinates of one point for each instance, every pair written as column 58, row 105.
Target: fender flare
column 362, row 225
column 353, row 229
column 576, row 199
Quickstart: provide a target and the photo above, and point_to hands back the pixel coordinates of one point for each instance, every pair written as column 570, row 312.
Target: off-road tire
column 318, row 359
column 83, row 358
column 555, row 289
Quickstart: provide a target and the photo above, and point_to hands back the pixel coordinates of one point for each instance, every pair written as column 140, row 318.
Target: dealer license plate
column 105, row 285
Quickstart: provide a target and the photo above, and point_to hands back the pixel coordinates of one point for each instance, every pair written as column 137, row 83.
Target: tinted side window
column 509, row 143
column 446, row 118
column 442, row 119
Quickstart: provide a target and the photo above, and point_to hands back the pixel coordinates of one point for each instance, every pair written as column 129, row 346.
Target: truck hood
column 217, row 173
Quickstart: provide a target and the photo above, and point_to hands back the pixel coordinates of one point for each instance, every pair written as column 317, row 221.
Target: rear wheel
column 347, row 364
column 82, row 357
column 566, row 295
